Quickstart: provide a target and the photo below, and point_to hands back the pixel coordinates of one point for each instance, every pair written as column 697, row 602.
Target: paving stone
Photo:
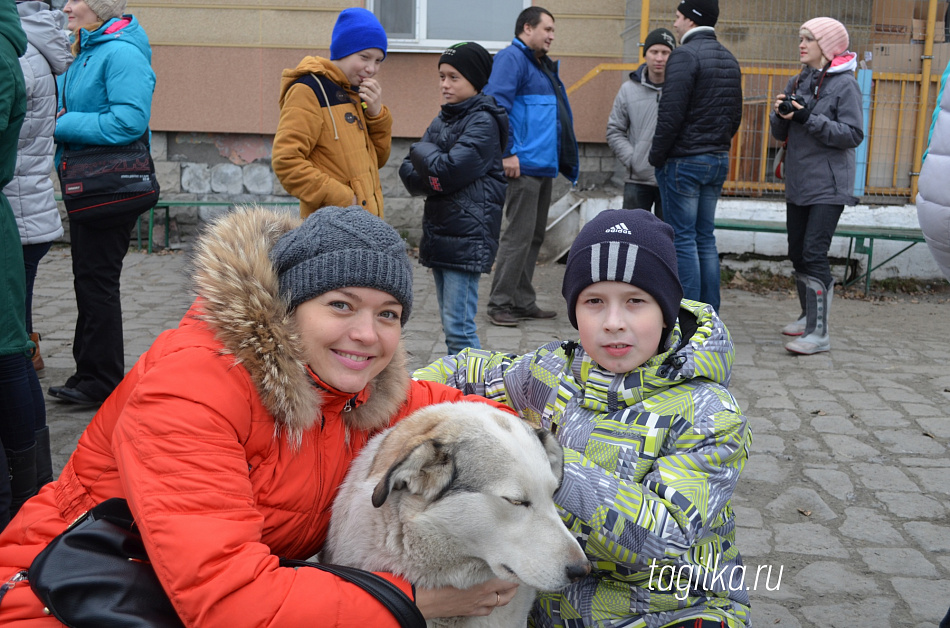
column 939, row 426
column 808, row 538
column 883, row 477
column 869, row 612
column 869, row 526
column 910, row 442
column 764, row 468
column 831, row 577
column 787, row 421
column 875, row 417
column 935, row 480
column 835, row 483
column 766, row 614
column 848, row 447
column 911, row 505
column 897, row 560
column 835, row 425
column 930, row 536
column 747, row 517
column 927, row 599
column 789, row 506
column 753, row 542
column 767, row 443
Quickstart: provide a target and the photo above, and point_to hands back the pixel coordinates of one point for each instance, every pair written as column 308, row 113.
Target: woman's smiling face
column 349, row 335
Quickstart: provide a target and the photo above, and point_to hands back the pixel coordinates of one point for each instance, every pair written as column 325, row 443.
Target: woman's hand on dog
column 477, row 601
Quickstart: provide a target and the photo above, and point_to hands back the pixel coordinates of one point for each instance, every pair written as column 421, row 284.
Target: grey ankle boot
column 814, row 338
column 44, row 458
column 797, row 328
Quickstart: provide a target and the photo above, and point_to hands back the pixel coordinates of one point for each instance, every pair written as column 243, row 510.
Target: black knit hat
column 660, row 36
column 471, row 60
column 628, row 245
column 338, row 247
column 702, row 12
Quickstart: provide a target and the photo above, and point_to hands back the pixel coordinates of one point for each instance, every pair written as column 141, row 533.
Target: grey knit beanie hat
column 338, row 247
column 105, row 10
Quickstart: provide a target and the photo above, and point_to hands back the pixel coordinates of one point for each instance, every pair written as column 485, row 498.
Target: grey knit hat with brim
column 340, row 247
column 105, row 10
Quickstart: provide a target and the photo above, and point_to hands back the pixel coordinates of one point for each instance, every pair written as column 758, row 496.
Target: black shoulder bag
column 97, row 574
column 107, row 185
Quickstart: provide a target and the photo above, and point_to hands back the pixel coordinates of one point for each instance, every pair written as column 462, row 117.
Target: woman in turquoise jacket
column 105, row 99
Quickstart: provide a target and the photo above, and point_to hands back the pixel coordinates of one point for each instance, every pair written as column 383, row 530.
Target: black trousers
column 97, row 344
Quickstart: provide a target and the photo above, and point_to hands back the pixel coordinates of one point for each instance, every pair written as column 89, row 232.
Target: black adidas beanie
column 628, row 245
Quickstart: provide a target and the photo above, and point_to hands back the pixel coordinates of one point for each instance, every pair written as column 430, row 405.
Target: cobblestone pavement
column 845, row 496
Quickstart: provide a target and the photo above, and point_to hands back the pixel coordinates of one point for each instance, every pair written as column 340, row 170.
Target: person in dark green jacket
column 21, row 402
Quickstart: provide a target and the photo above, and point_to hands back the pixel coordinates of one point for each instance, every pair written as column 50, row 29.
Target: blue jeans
column 457, row 292
column 690, row 188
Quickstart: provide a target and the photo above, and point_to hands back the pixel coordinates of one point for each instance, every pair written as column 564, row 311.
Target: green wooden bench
column 856, row 234
column 168, row 205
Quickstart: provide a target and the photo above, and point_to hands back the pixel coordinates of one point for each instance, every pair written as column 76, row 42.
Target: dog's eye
column 517, row 502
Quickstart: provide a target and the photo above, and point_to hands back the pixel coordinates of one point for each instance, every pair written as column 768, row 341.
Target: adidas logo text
column 619, row 228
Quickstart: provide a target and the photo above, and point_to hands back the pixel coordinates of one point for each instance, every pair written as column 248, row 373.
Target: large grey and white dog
column 453, row 495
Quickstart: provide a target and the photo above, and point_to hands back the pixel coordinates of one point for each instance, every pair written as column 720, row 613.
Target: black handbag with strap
column 97, row 574
column 108, row 185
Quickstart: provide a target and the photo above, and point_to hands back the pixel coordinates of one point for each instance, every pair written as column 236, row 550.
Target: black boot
column 4, row 491
column 44, row 460
column 22, row 476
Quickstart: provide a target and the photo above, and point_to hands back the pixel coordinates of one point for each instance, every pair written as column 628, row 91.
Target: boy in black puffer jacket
column 457, row 167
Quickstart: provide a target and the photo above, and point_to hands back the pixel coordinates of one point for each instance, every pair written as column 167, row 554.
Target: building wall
column 234, row 167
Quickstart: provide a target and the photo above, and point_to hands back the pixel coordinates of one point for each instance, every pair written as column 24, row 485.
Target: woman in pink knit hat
column 819, row 116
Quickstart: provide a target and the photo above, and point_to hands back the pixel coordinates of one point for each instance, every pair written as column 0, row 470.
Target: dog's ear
column 427, row 470
column 554, row 452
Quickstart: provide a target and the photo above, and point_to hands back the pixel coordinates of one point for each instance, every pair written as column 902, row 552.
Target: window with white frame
column 432, row 25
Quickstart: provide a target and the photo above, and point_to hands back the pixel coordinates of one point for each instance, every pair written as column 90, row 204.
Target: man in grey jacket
column 633, row 121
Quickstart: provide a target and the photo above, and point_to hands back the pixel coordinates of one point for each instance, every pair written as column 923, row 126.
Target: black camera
column 785, row 107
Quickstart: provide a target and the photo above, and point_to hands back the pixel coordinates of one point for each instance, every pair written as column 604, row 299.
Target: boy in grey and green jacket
column 654, row 442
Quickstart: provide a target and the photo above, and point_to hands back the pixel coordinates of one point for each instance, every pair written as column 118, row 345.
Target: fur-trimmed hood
column 240, row 301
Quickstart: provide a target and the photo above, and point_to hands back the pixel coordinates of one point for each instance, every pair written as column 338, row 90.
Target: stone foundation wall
column 236, row 168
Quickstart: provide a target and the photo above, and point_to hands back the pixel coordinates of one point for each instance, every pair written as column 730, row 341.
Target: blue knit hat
column 356, row 29
column 628, row 245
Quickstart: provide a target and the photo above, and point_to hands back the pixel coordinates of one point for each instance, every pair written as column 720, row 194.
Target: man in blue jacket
column 700, row 110
column 541, row 143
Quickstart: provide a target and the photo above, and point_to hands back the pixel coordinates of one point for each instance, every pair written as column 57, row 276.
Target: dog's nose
column 577, row 571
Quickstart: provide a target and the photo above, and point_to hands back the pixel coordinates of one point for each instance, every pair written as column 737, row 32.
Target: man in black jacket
column 700, row 110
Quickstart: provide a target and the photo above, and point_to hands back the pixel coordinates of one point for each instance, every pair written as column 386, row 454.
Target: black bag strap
column 402, row 608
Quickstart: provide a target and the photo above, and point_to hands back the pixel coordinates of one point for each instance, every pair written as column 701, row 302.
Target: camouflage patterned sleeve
column 490, row 374
column 653, row 486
